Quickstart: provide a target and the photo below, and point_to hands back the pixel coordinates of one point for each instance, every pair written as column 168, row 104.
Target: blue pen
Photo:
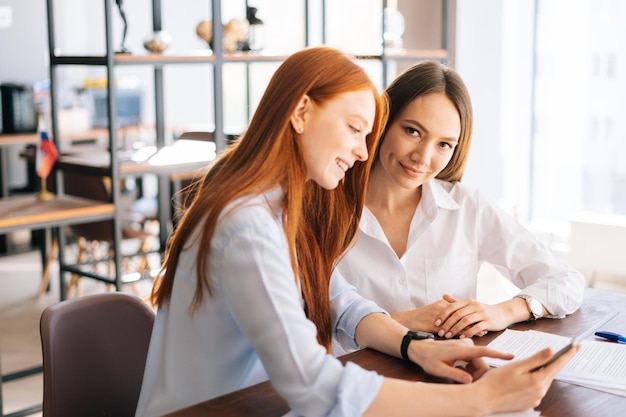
column 612, row 336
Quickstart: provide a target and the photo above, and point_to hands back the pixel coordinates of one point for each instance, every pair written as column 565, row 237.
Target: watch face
column 536, row 308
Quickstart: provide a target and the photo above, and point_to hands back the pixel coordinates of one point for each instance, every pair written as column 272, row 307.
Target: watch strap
column 529, row 299
column 408, row 338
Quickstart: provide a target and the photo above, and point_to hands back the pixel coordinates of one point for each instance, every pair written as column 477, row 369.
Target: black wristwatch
column 408, row 337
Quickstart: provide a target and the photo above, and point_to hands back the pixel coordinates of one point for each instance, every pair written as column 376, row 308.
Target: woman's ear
column 299, row 116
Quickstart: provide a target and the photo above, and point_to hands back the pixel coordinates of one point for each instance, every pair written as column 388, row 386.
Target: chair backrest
column 94, row 353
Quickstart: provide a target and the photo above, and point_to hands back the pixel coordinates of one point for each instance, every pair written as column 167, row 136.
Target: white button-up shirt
column 252, row 327
column 453, row 231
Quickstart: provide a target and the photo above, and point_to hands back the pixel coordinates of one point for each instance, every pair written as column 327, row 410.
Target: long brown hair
column 319, row 224
column 433, row 77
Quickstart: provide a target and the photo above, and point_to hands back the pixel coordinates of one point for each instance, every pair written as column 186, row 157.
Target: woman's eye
column 355, row 129
column 412, row 131
column 445, row 145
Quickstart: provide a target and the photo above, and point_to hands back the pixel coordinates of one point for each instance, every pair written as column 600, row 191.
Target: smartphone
column 576, row 340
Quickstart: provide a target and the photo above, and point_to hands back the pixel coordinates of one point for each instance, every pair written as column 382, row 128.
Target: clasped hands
column 451, row 317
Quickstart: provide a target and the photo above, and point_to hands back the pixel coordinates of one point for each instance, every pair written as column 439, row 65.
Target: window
column 579, row 138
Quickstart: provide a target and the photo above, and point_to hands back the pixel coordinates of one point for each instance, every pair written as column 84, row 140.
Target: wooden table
column 27, row 212
column 562, row 400
column 183, row 158
column 21, row 139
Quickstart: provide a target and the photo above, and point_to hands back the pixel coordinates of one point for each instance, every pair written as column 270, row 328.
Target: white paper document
column 599, row 365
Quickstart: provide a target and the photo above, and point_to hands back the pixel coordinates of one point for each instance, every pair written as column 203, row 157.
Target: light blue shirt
column 253, row 327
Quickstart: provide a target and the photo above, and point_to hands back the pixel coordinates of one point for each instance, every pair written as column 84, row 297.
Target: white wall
column 494, row 57
column 23, row 59
column 24, row 45
column 479, row 62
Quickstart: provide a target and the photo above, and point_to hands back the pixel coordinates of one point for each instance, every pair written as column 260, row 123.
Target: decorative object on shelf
column 45, row 158
column 256, row 31
column 204, row 30
column 158, row 41
column 234, row 35
column 123, row 49
column 393, row 28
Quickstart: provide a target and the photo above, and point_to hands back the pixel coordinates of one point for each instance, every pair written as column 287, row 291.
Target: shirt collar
column 436, row 193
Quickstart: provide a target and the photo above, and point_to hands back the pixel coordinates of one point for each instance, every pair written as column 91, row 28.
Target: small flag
column 46, row 151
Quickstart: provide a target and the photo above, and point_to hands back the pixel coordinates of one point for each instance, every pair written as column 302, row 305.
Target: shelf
column 409, row 55
column 199, row 56
column 207, row 57
column 181, row 57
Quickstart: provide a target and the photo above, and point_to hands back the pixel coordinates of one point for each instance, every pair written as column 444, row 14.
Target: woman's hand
column 469, row 318
column 513, row 387
column 440, row 357
column 509, row 388
column 422, row 318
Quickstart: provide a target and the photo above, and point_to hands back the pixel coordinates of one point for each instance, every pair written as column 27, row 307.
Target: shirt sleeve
column 259, row 285
column 348, row 309
column 527, row 262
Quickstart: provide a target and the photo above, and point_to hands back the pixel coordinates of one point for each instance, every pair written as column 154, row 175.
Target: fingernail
column 462, row 336
column 441, row 333
column 438, row 322
column 448, row 335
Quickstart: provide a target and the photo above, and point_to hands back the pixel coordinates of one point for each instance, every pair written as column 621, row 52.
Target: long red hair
column 319, row 224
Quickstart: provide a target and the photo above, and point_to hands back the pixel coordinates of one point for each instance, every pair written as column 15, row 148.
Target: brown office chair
column 90, row 236
column 94, row 353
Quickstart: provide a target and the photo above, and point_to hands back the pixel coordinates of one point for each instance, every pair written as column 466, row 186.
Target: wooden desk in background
column 183, row 159
column 182, row 156
column 8, row 140
column 27, row 212
column 562, row 400
column 22, row 139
